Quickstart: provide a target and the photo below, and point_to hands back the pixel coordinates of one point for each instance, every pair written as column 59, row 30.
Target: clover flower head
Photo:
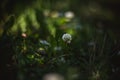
column 67, row 38
column 69, row 15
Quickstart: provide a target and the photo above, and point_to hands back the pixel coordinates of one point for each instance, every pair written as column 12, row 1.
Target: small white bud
column 24, row 35
column 67, row 38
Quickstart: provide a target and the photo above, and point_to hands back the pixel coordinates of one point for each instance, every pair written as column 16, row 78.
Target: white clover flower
column 69, row 15
column 67, row 38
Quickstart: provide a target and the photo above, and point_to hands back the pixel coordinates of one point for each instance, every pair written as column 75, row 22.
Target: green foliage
column 38, row 48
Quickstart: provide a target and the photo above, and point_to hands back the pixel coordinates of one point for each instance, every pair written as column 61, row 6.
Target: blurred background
column 31, row 45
